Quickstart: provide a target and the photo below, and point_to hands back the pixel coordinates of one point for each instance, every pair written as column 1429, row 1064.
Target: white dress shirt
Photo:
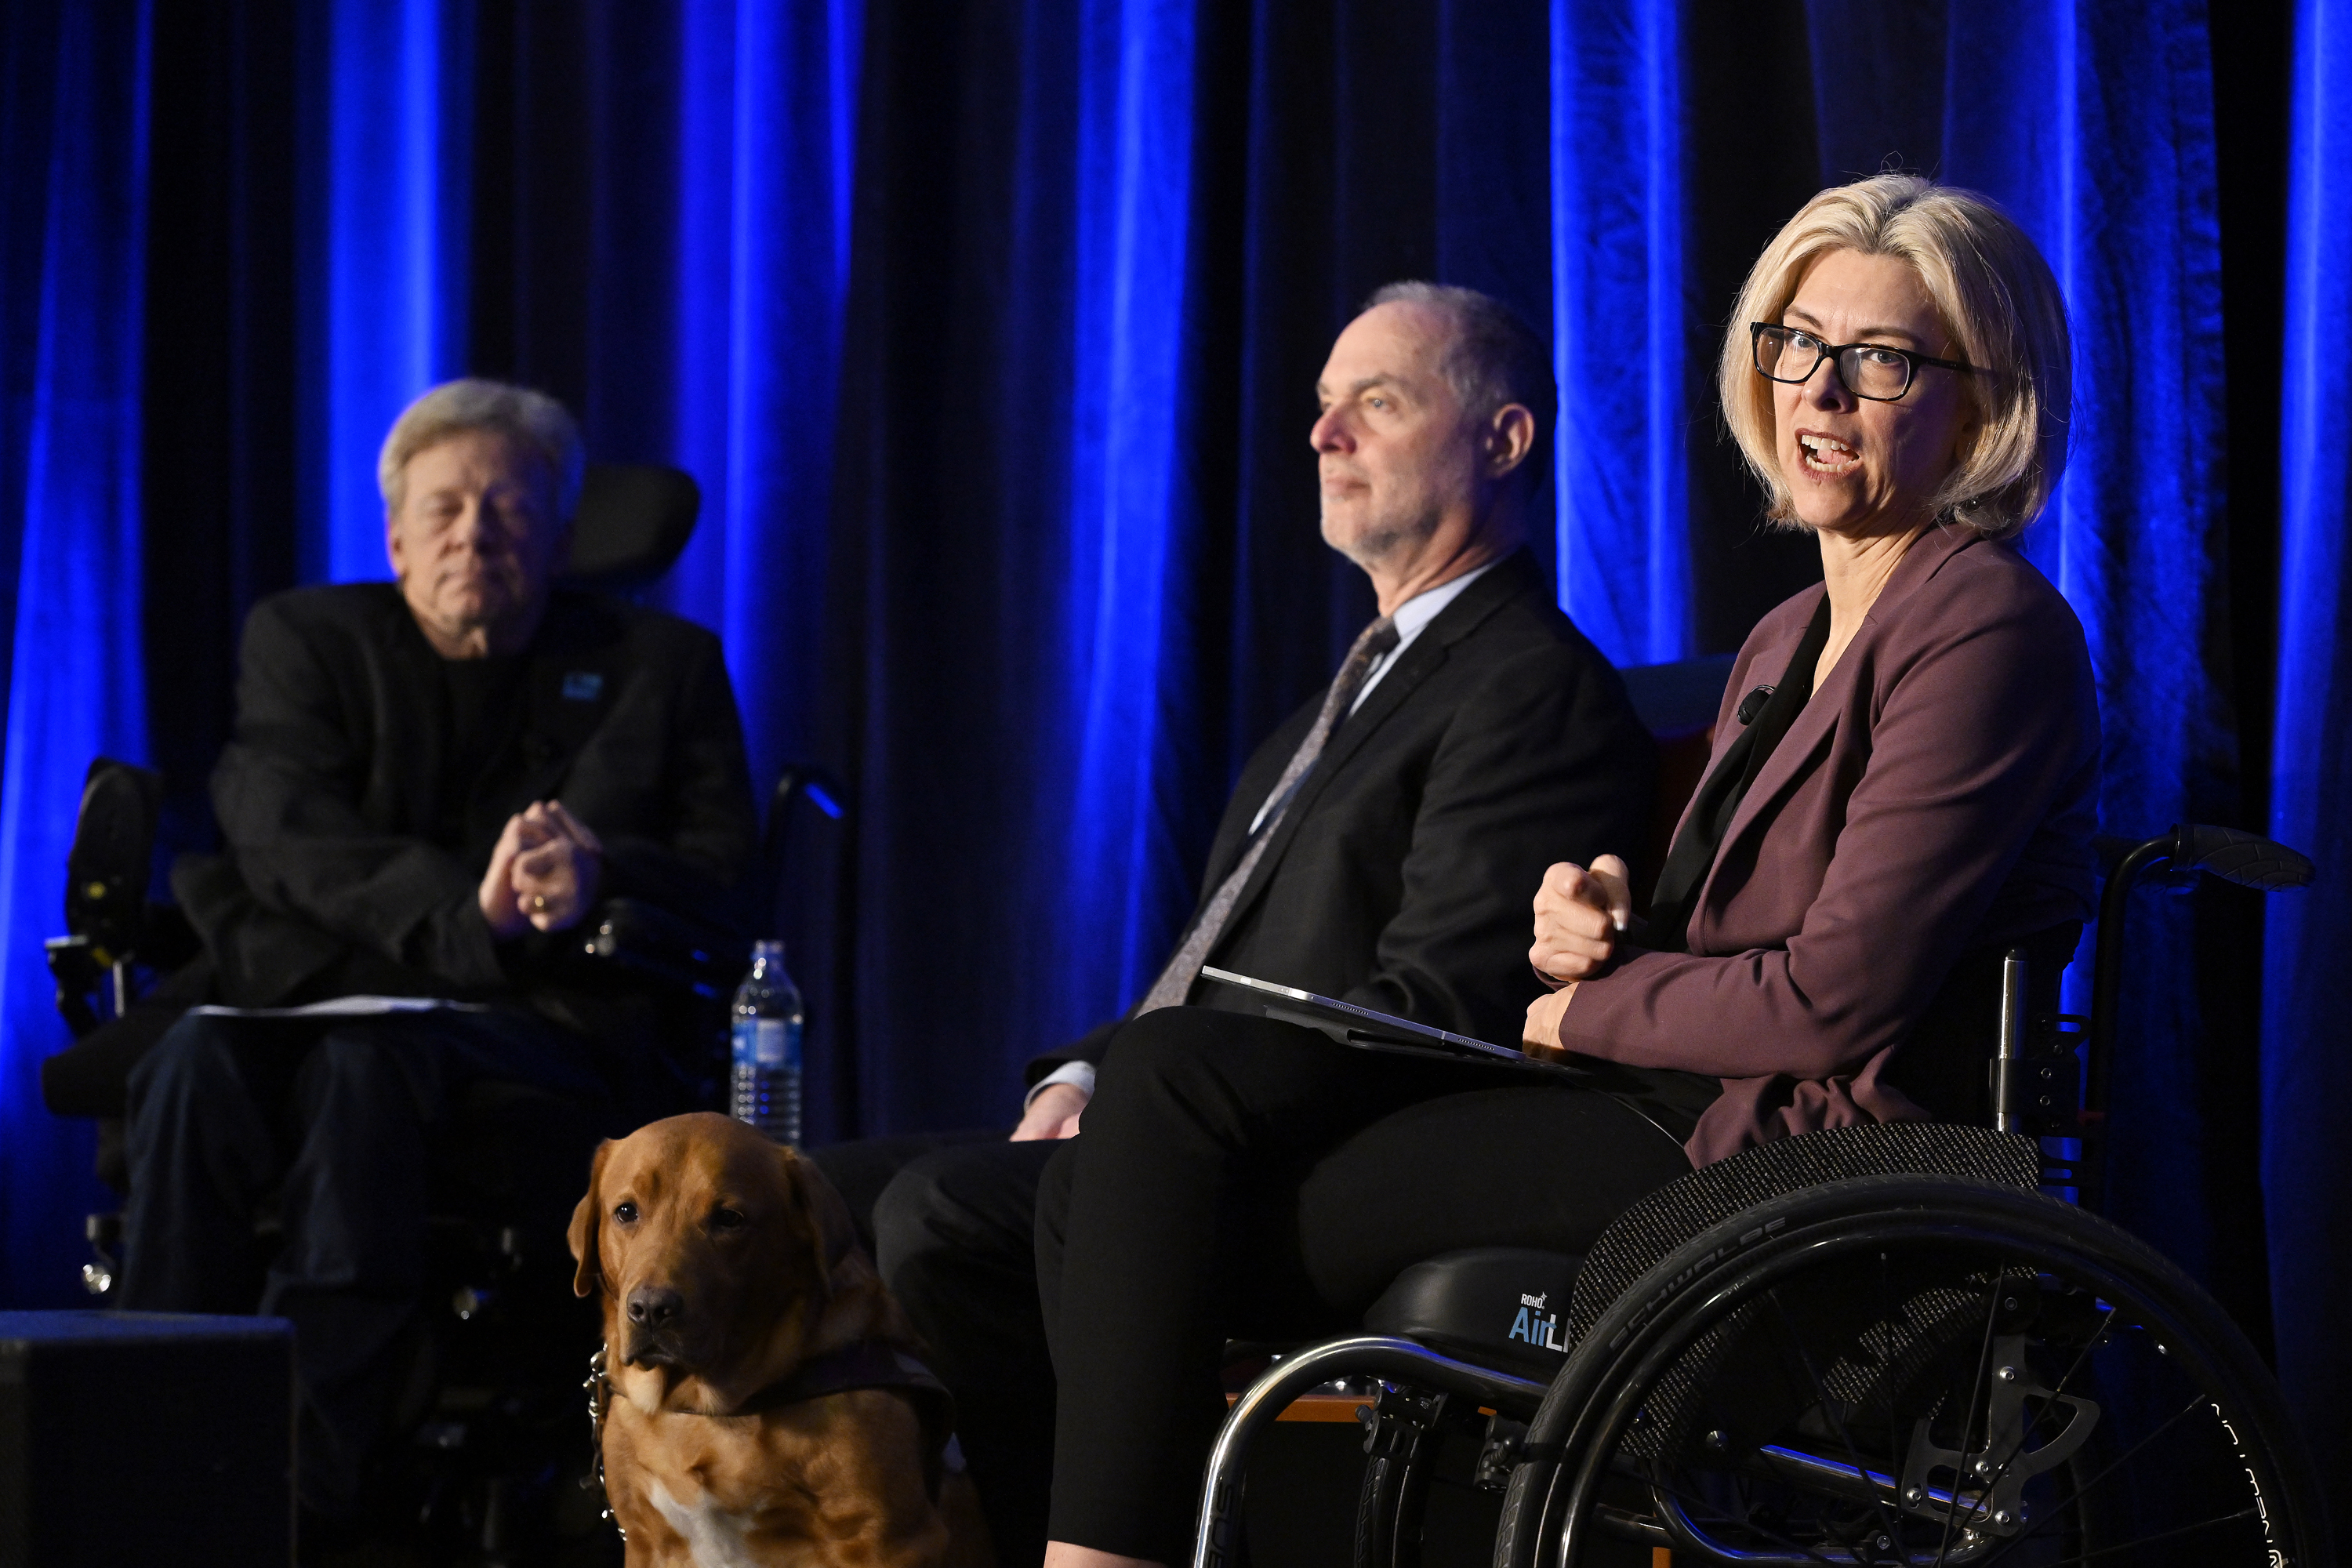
column 1411, row 618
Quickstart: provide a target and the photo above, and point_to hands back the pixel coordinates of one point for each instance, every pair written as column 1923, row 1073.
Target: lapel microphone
column 1751, row 707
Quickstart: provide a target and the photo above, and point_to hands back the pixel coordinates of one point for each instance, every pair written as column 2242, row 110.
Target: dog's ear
column 585, row 1223
column 825, row 1217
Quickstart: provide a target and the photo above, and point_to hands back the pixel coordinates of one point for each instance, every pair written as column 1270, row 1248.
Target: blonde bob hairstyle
column 1998, row 302
column 536, row 422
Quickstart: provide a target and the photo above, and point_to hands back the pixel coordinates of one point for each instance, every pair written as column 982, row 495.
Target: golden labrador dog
column 760, row 1404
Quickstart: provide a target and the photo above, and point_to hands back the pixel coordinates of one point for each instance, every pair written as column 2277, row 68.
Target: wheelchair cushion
column 1495, row 1306
column 1678, row 1211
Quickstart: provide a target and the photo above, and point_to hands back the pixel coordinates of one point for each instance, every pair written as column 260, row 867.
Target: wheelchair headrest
column 633, row 522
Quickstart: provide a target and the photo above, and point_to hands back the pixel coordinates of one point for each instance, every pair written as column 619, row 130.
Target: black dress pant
column 862, row 1170
column 343, row 1120
column 1244, row 1178
column 953, row 1221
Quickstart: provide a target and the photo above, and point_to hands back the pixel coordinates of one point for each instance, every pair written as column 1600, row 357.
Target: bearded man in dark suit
column 1380, row 847
column 429, row 785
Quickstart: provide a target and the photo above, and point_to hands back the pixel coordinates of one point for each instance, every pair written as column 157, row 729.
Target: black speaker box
column 145, row 1437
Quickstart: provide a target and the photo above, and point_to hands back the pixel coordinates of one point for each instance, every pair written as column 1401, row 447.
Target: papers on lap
column 346, row 1007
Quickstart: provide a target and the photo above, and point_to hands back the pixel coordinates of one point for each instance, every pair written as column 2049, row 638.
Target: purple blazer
column 1936, row 796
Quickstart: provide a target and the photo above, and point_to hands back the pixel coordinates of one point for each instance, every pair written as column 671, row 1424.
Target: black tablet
column 1367, row 1030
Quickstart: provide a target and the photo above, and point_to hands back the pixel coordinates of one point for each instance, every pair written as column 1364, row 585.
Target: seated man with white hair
column 429, row 781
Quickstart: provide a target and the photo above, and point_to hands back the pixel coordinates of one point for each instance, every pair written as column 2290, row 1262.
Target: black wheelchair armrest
column 693, row 954
column 2229, row 853
column 2240, row 857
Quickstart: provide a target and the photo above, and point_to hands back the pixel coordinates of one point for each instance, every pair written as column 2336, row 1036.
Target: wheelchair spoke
column 1828, row 1404
column 2247, row 1512
column 2117, row 1463
column 2083, row 1355
column 2080, row 1357
column 1885, row 1387
column 1984, row 1363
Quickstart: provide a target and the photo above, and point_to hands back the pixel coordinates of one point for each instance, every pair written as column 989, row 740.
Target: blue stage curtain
column 1123, row 626
column 73, row 204
column 1621, row 317
column 765, row 122
column 2307, row 1044
column 1014, row 534
column 385, row 197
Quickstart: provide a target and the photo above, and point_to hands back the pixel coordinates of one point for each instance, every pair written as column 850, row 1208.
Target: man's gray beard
column 1383, row 539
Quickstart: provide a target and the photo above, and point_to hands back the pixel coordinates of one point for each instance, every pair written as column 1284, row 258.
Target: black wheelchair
column 491, row 1407
column 1888, row 1344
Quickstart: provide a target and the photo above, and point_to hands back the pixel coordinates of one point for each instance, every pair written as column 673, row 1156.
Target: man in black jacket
column 428, row 785
column 1381, row 846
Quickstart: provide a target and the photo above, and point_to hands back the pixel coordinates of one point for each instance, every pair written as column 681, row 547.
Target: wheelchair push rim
column 1698, row 1414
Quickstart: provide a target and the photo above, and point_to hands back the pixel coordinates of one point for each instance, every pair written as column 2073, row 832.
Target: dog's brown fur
column 759, row 1251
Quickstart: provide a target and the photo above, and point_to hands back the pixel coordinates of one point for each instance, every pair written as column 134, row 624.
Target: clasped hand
column 543, row 872
column 1581, row 912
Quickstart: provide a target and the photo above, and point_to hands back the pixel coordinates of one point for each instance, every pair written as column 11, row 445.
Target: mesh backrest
column 1654, row 1228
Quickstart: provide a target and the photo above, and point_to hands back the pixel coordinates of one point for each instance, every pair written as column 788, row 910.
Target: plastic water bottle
column 767, row 1039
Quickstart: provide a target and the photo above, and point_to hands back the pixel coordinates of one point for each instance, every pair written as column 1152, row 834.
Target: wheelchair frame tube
column 1216, row 1543
column 2107, row 973
column 2013, row 1042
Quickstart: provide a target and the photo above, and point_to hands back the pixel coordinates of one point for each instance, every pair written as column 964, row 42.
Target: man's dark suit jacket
column 1404, row 875
column 329, row 795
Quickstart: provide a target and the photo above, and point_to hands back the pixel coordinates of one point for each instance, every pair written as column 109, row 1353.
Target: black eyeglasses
column 1876, row 370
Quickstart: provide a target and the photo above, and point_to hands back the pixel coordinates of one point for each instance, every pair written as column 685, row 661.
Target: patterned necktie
column 1175, row 982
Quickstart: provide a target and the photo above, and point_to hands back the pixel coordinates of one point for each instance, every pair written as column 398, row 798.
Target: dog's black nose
column 654, row 1307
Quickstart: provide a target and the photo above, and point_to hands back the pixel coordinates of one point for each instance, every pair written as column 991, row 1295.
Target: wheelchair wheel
column 1914, row 1369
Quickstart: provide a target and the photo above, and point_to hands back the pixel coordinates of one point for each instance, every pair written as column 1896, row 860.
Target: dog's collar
column 868, row 1363
column 600, row 1403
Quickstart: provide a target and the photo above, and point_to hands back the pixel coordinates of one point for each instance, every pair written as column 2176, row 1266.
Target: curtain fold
column 388, row 194
column 2307, row 1046
column 73, row 298
column 1126, row 605
column 1621, row 317
column 765, row 127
